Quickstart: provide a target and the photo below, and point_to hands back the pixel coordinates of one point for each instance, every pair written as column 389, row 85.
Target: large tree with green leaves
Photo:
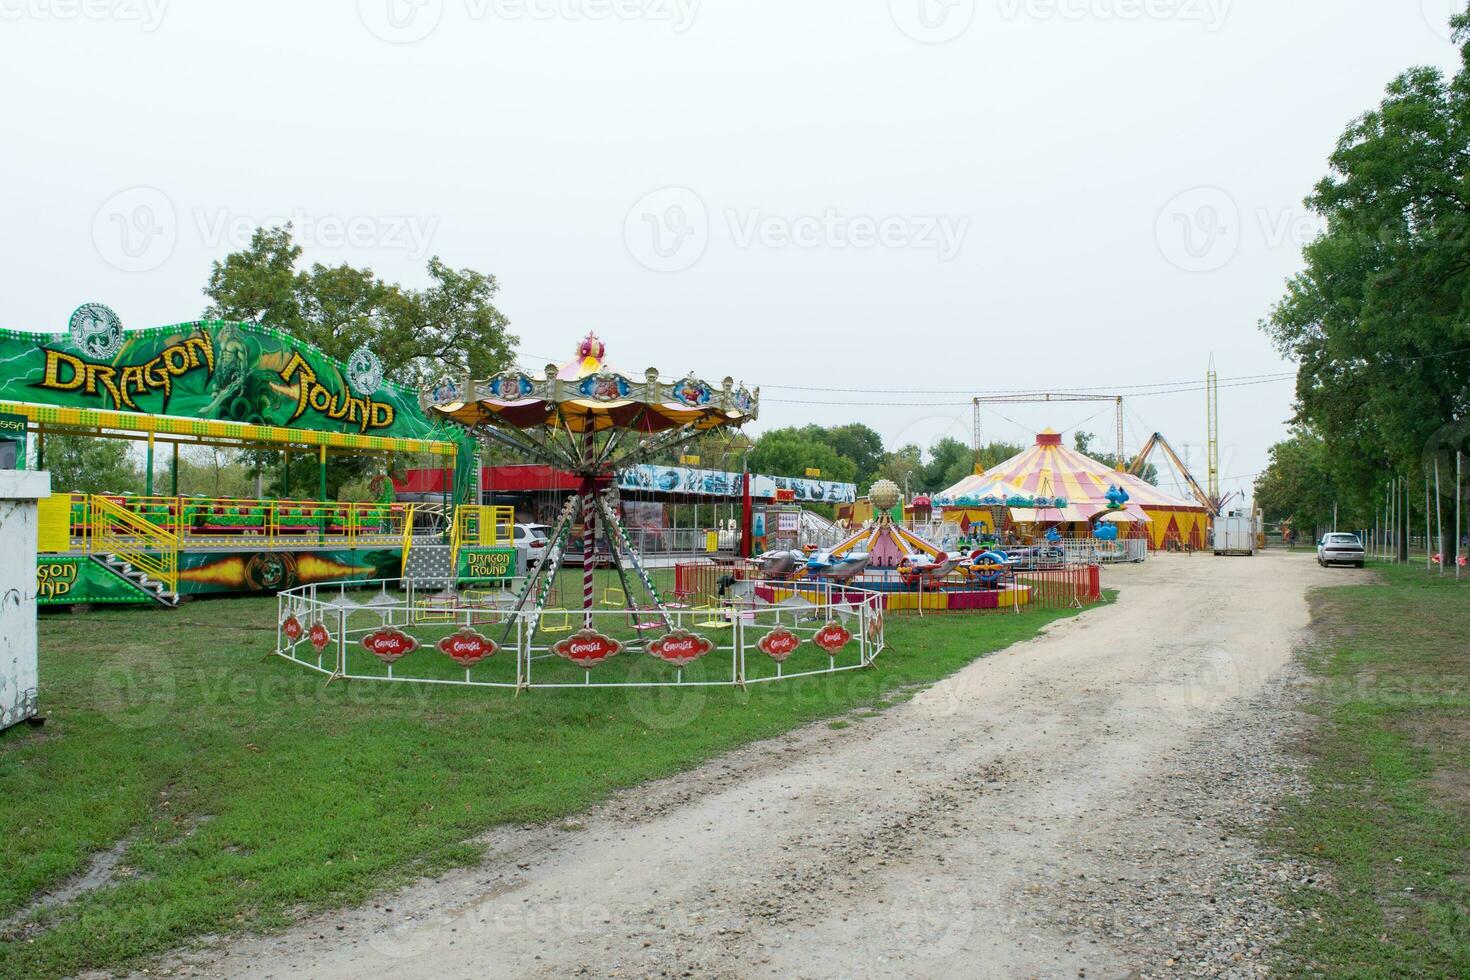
column 84, row 464
column 449, row 327
column 791, row 451
column 950, row 461
column 860, row 444
column 1379, row 320
column 1297, row 485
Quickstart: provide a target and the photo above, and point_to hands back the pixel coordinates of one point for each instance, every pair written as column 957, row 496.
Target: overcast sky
column 826, row 198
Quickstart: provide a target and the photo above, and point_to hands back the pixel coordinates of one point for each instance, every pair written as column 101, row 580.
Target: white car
column 1340, row 549
column 531, row 544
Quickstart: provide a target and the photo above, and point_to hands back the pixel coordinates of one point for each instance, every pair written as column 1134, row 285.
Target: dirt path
column 1064, row 808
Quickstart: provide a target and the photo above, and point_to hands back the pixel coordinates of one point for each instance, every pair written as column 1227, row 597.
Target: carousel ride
column 587, row 419
column 886, row 557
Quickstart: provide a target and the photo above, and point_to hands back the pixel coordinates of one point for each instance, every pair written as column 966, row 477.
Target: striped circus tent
column 1050, row 469
column 978, row 490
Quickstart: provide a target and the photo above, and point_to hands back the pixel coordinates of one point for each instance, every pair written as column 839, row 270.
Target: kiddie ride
column 887, row 558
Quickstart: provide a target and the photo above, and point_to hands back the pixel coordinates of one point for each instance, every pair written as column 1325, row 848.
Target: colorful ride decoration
column 988, row 569
column 216, row 375
column 220, row 383
column 587, row 418
column 913, row 573
column 919, row 570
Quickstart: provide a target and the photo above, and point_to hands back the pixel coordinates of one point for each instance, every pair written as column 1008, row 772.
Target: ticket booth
column 12, row 441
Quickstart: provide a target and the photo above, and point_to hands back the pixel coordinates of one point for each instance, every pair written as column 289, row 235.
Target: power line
column 1084, row 389
column 968, row 392
column 1270, row 379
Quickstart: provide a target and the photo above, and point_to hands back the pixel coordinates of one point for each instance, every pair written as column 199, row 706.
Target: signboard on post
column 486, row 564
column 211, row 370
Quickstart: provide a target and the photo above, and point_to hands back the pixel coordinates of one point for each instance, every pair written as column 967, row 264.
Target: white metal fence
column 385, row 630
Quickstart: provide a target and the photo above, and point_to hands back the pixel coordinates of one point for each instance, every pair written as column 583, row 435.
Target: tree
column 791, row 451
column 82, row 464
column 902, row 465
column 1297, row 486
column 421, row 335
column 213, row 472
column 950, row 461
column 451, row 327
column 1379, row 320
column 863, row 446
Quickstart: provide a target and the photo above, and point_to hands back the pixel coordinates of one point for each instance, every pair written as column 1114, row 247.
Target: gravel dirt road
column 1078, row 805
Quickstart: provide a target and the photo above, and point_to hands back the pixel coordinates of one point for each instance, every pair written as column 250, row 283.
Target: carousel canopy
column 586, row 395
column 1050, row 469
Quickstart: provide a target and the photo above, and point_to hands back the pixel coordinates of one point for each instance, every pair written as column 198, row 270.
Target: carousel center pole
column 589, row 532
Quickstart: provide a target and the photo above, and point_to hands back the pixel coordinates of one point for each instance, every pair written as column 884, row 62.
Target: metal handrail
column 151, row 549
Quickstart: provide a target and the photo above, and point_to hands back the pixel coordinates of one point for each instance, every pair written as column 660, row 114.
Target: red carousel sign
column 319, row 637
column 389, row 645
column 291, row 626
column 467, row 647
column 832, row 638
column 680, row 648
column 779, row 644
column 587, row 648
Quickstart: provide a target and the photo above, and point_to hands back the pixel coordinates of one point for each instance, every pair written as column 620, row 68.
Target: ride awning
column 1070, row 514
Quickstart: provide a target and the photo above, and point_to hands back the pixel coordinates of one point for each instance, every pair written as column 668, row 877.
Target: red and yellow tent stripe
column 1050, row 469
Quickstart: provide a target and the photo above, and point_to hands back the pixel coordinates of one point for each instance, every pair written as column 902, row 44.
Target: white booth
column 19, row 680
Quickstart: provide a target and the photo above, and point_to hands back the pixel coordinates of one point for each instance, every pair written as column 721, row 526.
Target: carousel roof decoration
column 587, row 395
column 589, row 419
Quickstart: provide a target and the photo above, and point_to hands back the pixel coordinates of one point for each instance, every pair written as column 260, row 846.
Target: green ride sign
column 64, row 579
column 215, row 370
column 486, row 564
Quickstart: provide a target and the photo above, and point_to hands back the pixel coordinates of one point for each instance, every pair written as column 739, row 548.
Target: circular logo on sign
column 96, row 330
column 364, row 371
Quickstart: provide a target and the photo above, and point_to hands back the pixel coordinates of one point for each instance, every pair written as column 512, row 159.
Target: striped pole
column 589, row 543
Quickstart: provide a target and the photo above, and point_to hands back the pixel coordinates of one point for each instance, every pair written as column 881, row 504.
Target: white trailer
column 1235, row 534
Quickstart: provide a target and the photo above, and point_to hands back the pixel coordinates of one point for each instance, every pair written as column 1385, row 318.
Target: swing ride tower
column 589, row 420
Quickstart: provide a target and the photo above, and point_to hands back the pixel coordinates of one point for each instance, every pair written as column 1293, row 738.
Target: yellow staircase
column 135, row 548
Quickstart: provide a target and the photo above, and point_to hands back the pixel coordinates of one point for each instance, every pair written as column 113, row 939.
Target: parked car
column 1340, row 549
column 531, row 543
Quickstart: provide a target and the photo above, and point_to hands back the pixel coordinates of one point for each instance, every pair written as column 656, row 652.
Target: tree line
column 1377, row 319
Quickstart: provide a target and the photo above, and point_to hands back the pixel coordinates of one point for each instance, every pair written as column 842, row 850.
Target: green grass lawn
column 246, row 792
column 1388, row 813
